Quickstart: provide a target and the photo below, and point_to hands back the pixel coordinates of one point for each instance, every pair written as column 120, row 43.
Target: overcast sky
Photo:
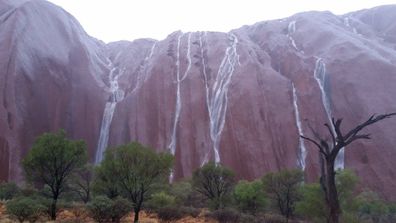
column 112, row 20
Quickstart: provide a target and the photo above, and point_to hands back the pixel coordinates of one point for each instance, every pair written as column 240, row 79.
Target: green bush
column 100, row 209
column 227, row 215
column 8, row 191
column 190, row 211
column 275, row 218
column 169, row 214
column 103, row 209
column 215, row 182
column 160, row 200
column 120, row 207
column 24, row 209
column 312, row 205
column 249, row 196
column 181, row 191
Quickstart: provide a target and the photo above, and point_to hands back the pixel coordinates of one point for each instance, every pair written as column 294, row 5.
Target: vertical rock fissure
column 320, row 77
column 302, row 150
column 116, row 96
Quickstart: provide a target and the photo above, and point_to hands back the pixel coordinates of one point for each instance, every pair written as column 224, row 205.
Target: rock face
column 240, row 98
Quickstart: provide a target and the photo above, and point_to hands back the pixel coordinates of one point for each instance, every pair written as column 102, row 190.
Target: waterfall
column 206, row 158
column 179, row 79
column 303, row 152
column 142, row 72
column 320, row 76
column 216, row 97
column 348, row 24
column 117, row 95
column 291, row 28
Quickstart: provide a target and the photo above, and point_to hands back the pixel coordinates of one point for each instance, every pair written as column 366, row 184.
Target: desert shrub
column 282, row 189
column 371, row 208
column 227, row 215
column 103, row 209
column 190, row 211
column 79, row 211
column 249, row 196
column 181, row 191
column 46, row 202
column 160, row 200
column 215, row 182
column 275, row 218
column 24, row 209
column 119, row 208
column 100, row 209
column 169, row 214
column 312, row 205
column 247, row 218
column 8, row 191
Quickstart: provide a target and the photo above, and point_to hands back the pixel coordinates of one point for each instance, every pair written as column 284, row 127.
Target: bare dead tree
column 328, row 152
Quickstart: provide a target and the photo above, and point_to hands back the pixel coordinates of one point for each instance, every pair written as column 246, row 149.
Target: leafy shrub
column 103, row 209
column 24, row 209
column 312, row 205
column 190, row 211
column 215, row 182
column 169, row 214
column 275, row 218
column 227, row 215
column 8, row 191
column 119, row 208
column 181, row 191
column 100, row 209
column 79, row 211
column 250, row 196
column 160, row 200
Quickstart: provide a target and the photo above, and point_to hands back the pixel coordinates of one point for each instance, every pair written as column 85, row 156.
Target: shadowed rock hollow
column 241, row 98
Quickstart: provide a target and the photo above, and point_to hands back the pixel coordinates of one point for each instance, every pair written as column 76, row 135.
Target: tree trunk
column 53, row 209
column 332, row 201
column 136, row 218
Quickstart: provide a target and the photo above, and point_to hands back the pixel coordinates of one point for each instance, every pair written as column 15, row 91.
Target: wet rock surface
column 203, row 96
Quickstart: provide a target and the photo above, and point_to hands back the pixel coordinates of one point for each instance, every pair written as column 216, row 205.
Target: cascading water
column 348, row 24
column 291, row 28
column 216, row 97
column 320, row 76
column 303, row 151
column 117, row 95
column 172, row 144
column 142, row 73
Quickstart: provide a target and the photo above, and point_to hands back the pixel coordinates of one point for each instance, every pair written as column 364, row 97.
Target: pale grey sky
column 112, row 20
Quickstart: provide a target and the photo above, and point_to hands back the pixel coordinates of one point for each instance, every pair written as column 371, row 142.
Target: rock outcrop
column 240, row 98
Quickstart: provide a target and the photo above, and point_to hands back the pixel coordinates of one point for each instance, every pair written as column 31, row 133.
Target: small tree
column 312, row 203
column 136, row 169
column 329, row 152
column 215, row 182
column 283, row 189
column 250, row 196
column 106, row 178
column 51, row 161
column 82, row 182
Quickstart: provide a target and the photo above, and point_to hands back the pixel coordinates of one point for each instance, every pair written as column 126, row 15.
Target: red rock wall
column 53, row 75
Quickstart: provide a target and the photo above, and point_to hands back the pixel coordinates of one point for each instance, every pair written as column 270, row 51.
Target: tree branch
column 373, row 119
column 314, row 142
